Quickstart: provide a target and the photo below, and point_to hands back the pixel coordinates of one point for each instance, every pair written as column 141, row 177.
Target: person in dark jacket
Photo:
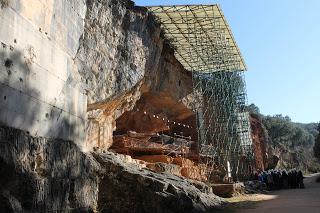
column 300, row 180
column 284, row 177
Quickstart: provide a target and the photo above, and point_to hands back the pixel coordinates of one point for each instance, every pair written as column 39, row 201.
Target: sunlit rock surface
column 69, row 71
column 126, row 188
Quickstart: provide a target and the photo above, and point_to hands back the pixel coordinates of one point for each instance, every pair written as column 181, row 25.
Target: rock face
column 121, row 59
column 259, row 139
column 40, row 175
column 69, row 70
column 40, row 88
column 177, row 166
column 126, row 188
column 279, row 151
column 265, row 157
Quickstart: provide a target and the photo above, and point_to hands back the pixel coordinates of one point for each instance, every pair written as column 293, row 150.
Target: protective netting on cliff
column 204, row 45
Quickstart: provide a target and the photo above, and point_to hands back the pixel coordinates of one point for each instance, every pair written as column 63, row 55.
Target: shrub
column 316, row 147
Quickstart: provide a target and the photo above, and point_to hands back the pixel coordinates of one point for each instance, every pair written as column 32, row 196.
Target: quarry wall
column 70, row 68
column 39, row 89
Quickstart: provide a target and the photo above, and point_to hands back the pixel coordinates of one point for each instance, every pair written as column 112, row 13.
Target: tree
column 316, row 147
column 286, row 134
column 252, row 108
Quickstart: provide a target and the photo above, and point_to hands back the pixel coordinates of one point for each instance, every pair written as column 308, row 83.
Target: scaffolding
column 205, row 46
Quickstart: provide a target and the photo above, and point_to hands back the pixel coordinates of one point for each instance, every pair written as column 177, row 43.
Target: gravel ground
column 292, row 200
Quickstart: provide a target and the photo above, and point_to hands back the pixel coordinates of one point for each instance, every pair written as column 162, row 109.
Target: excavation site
column 108, row 106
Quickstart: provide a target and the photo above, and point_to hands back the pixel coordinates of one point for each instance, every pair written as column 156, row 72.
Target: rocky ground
column 41, row 175
column 127, row 188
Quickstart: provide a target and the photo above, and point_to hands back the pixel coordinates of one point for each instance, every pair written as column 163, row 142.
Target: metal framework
column 205, row 46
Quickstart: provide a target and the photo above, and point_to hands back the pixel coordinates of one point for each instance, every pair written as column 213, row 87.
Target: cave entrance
column 158, row 125
column 162, row 132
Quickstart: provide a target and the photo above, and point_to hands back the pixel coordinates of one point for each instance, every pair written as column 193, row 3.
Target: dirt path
column 292, row 200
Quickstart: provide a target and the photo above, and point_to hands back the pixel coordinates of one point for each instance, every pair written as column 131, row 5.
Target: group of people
column 281, row 179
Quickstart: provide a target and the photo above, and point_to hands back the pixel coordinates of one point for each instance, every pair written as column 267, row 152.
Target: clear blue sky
column 280, row 42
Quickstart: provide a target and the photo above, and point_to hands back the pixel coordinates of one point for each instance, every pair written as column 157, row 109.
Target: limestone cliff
column 121, row 57
column 71, row 68
column 70, row 71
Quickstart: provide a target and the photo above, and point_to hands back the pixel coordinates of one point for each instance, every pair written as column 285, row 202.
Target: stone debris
column 126, row 188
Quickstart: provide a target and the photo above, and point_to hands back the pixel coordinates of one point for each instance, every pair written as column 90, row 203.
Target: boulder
column 126, row 188
column 164, row 167
column 228, row 190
